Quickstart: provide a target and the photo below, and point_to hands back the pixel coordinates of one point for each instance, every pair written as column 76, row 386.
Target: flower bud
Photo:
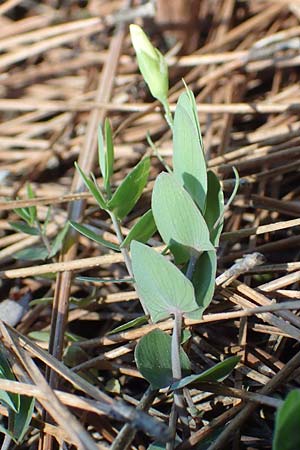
column 151, row 63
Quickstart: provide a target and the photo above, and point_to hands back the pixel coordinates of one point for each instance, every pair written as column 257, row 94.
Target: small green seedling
column 187, row 209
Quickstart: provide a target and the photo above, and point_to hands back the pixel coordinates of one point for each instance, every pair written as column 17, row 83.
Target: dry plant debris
column 65, row 65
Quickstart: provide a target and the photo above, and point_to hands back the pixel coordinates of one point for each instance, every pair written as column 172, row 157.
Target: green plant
column 187, row 209
column 286, row 433
column 31, row 225
column 20, row 407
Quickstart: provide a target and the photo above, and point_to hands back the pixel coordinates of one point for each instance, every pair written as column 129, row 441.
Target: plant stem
column 125, row 254
column 124, row 251
column 43, row 237
column 176, row 369
column 168, row 114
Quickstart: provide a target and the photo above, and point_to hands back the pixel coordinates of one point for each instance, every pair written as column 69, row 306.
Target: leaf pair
column 126, row 195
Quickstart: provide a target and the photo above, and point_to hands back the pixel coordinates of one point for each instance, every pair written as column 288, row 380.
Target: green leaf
column 9, row 399
column 203, row 280
column 20, row 421
column 87, row 232
column 24, row 228
column 31, row 209
column 162, row 287
column 109, row 151
column 153, row 359
column 178, row 219
column 286, row 434
column 101, row 153
column 58, row 241
column 105, row 280
column 214, row 208
column 130, row 190
column 131, row 324
column 42, row 336
column 38, row 252
column 188, row 157
column 106, row 155
column 93, row 188
column 216, row 373
column 23, row 213
column 142, row 231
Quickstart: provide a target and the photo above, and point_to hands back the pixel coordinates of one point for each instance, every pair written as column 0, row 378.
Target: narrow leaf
column 58, row 241
column 178, row 219
column 24, row 228
column 142, row 231
column 153, row 359
column 9, row 399
column 130, row 190
column 21, row 420
column 286, row 434
column 101, row 153
column 38, row 252
column 203, row 280
column 214, row 208
column 216, row 373
column 188, row 156
column 109, row 157
column 92, row 187
column 131, row 324
column 23, row 213
column 31, row 209
column 87, row 232
column 162, row 287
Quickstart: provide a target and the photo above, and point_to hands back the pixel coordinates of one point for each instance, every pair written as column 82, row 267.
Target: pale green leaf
column 87, row 232
column 153, row 359
column 92, row 187
column 109, row 150
column 188, row 157
column 178, row 219
column 130, row 190
column 162, row 287
column 142, row 231
column 216, row 373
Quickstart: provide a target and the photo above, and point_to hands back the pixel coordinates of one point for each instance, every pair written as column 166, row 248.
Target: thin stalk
column 168, row 114
column 172, row 427
column 125, row 253
column 43, row 237
column 176, row 369
column 156, row 153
